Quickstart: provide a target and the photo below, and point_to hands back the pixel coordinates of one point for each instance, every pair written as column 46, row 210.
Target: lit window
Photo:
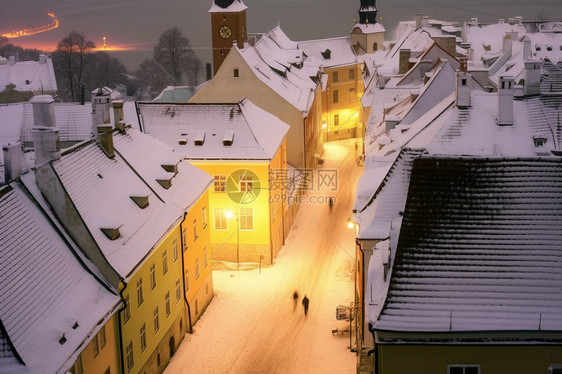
column 197, row 268
column 352, row 96
column 130, row 360
column 205, row 261
column 246, row 183
column 195, row 229
column 335, row 77
column 165, row 261
column 127, row 312
column 156, row 320
column 152, row 276
column 140, row 295
column 204, row 216
column 351, row 74
column 102, row 337
column 246, row 219
column 167, row 302
column 178, row 291
column 184, row 238
column 336, row 99
column 175, row 249
column 220, row 183
column 79, row 367
column 336, row 120
column 220, row 219
column 186, row 280
column 143, row 337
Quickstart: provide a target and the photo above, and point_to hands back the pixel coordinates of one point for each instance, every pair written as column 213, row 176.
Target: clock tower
column 228, row 25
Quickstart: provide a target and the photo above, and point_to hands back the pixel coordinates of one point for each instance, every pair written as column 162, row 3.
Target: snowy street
column 251, row 325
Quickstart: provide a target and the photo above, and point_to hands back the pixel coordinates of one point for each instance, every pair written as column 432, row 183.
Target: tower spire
column 368, row 12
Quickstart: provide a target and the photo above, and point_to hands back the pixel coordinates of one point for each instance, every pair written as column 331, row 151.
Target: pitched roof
column 479, row 248
column 341, row 51
column 35, row 76
column 47, row 292
column 256, row 134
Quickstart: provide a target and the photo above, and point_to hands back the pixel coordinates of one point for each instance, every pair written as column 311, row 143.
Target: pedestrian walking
column 305, row 305
column 295, row 300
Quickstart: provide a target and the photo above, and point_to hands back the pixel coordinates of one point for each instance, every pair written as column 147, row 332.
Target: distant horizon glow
column 34, row 30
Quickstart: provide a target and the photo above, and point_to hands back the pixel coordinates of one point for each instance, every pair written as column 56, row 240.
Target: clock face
column 225, row 32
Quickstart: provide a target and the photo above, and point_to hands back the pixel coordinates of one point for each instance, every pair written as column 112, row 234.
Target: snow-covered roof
column 35, row 76
column 47, row 292
column 341, row 52
column 101, row 188
column 479, row 248
column 369, row 28
column 221, row 6
column 175, row 94
column 256, row 134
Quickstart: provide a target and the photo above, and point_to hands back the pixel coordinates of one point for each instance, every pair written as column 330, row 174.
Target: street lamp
column 229, row 214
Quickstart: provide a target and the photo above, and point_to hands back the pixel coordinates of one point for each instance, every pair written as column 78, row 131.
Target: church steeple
column 368, row 12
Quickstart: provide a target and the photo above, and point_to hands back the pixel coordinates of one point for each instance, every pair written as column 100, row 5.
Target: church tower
column 367, row 35
column 228, row 26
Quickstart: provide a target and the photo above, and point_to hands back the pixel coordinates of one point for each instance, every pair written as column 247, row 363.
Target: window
column 463, row 82
column 351, row 74
column 167, row 302
column 336, row 119
column 195, row 229
column 197, row 268
column 463, row 369
column 205, row 261
column 143, row 337
column 178, row 291
column 375, row 46
column 236, row 73
column 127, row 312
column 156, row 321
column 220, row 219
column 175, row 249
column 335, row 77
column 130, row 359
column 140, row 295
column 184, row 238
column 246, row 219
column 78, row 366
column 152, row 276
column 204, row 217
column 336, row 99
column 186, row 280
column 165, row 261
column 107, row 371
column 246, row 183
column 220, row 183
column 352, row 95
column 96, row 346
column 102, row 337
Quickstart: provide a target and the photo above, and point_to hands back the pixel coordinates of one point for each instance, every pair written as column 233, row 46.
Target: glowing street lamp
column 229, row 215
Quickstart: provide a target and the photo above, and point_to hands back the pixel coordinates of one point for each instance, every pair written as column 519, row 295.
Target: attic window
column 199, row 138
column 236, row 73
column 327, row 54
column 75, row 326
column 111, row 234
column 166, row 183
column 182, row 141
column 141, row 201
column 62, row 340
column 228, row 138
column 170, row 168
column 27, row 81
column 539, row 140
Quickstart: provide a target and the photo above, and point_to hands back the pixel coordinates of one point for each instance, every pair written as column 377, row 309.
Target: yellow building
column 242, row 147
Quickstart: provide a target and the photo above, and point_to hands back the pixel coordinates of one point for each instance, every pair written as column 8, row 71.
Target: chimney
column 117, row 111
column 425, row 21
column 46, row 144
column 43, row 110
column 418, row 21
column 519, row 20
column 473, row 22
column 463, row 86
column 404, row 64
column 532, row 85
column 12, row 60
column 526, row 47
column 12, row 162
column 101, row 99
column 105, row 139
column 507, row 44
column 42, row 59
column 505, row 100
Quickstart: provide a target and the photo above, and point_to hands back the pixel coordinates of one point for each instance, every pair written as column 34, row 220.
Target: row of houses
column 458, row 209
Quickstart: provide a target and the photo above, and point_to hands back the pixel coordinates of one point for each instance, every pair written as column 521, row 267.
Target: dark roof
column 480, row 248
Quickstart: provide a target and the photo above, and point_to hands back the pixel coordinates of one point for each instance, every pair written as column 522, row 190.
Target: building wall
column 226, row 88
column 342, row 119
column 516, row 359
column 367, row 41
column 278, row 199
column 106, row 359
column 153, row 298
column 236, row 21
column 224, row 240
column 197, row 257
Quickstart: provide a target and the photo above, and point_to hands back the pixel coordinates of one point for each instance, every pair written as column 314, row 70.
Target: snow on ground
column 251, row 325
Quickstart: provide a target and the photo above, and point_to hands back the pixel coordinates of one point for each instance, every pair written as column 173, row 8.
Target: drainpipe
column 121, row 360
column 183, row 274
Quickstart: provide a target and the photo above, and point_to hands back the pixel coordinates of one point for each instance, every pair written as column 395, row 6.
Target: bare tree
column 68, row 59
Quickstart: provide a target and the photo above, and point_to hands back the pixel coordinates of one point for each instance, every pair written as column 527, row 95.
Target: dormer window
column 199, row 138
column 170, row 168
column 539, row 140
column 27, row 81
column 111, row 233
column 141, row 201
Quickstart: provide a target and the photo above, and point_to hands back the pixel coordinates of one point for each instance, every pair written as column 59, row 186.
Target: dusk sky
column 138, row 24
